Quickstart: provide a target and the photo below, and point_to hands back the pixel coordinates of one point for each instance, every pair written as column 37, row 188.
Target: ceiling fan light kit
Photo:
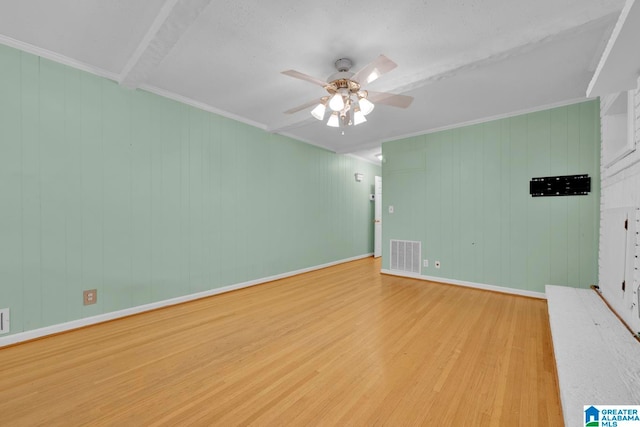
column 333, row 121
column 366, row 106
column 337, row 102
column 358, row 116
column 349, row 104
column 319, row 111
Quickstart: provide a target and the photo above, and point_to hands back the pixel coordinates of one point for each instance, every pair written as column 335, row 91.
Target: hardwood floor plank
column 339, row 346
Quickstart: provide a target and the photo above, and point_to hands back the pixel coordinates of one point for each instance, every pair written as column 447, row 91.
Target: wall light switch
column 390, row 208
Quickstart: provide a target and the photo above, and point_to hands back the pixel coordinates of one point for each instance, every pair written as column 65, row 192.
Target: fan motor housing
column 343, row 64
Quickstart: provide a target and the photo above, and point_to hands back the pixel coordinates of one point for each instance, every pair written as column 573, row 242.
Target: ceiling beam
column 619, row 67
column 173, row 20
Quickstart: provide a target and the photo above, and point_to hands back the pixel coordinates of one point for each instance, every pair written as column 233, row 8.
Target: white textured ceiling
column 462, row 60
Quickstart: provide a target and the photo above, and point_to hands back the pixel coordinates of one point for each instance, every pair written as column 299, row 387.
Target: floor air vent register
column 405, row 256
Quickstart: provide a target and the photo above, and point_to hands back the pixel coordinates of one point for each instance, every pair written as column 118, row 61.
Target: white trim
column 74, row 324
column 551, row 106
column 200, row 105
column 56, row 57
column 483, row 286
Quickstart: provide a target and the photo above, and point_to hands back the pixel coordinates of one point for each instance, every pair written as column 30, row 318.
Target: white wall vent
column 405, row 256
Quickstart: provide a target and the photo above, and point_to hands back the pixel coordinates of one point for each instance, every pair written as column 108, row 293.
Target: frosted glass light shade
column 334, row 120
column 336, row 103
column 319, row 111
column 358, row 117
column 366, row 106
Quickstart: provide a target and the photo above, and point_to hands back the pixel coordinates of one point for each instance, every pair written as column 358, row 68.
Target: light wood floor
column 340, row 346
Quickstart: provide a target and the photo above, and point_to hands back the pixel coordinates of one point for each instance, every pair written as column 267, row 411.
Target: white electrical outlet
column 90, row 296
column 425, row 263
column 436, row 264
column 4, row 321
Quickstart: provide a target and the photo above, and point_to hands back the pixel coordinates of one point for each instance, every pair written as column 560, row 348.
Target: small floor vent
column 405, row 256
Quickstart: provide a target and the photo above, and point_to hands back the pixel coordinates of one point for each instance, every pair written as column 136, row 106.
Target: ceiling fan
column 347, row 102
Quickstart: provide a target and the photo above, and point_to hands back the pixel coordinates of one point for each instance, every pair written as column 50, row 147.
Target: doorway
column 377, row 218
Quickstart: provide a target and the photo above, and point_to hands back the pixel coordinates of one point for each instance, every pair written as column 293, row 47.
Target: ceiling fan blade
column 303, row 106
column 381, row 65
column 302, row 76
column 385, row 98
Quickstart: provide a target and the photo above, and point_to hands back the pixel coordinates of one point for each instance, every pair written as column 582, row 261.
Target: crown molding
column 56, row 57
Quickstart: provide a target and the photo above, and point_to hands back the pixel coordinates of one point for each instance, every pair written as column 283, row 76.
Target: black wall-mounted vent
column 567, row 185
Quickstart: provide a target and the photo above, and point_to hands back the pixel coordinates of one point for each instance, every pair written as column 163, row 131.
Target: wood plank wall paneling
column 464, row 193
column 339, row 346
column 145, row 199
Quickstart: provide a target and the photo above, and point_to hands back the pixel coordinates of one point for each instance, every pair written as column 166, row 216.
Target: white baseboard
column 484, row 286
column 75, row 324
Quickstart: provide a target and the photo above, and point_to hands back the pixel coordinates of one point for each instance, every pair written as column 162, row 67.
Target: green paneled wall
column 464, row 193
column 147, row 199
